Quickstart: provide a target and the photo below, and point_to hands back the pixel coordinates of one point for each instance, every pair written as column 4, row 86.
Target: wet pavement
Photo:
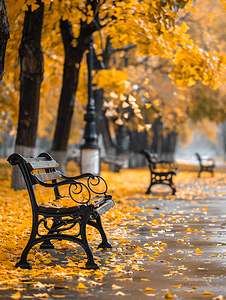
column 175, row 248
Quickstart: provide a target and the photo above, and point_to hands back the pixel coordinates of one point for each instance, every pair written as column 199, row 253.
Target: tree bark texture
column 4, row 35
column 168, row 146
column 31, row 76
column 73, row 57
column 157, row 139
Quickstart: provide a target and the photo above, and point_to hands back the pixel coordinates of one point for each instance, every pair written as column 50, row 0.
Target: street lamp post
column 90, row 152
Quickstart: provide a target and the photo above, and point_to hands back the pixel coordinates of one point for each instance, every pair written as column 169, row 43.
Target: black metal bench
column 54, row 221
column 158, row 176
column 205, row 164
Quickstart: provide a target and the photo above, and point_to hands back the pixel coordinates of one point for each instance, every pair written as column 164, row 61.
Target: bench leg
column 90, row 263
column 173, row 191
column 45, row 240
column 169, row 183
column 23, row 263
column 99, row 227
column 148, row 192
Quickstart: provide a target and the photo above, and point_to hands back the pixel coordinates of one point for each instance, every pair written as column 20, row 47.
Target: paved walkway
column 174, row 248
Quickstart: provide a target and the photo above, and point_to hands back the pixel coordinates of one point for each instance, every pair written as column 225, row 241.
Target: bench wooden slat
column 41, row 163
column 102, row 209
column 49, row 176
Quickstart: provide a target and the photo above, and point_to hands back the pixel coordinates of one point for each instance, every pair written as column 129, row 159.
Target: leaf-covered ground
column 163, row 246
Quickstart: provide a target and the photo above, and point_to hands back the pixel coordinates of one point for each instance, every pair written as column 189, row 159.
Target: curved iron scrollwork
column 58, row 225
column 96, row 182
column 77, row 188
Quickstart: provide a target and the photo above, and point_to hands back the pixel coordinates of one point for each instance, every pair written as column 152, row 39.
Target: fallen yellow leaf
column 120, row 294
column 168, row 295
column 81, row 286
column 16, row 296
column 43, row 295
column 189, row 291
column 116, row 287
column 207, row 293
column 198, row 251
column 149, row 289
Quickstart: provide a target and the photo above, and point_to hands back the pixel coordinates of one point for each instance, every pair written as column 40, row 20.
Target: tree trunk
column 137, row 142
column 102, row 121
column 224, row 139
column 31, row 76
column 4, row 34
column 172, row 145
column 157, row 140
column 73, row 57
column 122, row 145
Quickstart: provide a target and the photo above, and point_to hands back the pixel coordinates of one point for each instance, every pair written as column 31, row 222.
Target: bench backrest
column 151, row 157
column 199, row 158
column 34, row 169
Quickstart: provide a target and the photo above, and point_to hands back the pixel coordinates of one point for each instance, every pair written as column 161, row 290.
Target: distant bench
column 118, row 164
column 162, row 172
column 205, row 164
column 57, row 220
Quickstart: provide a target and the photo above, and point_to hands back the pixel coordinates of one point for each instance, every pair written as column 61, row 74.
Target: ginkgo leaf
column 41, row 295
column 168, row 295
column 109, row 113
column 71, row 264
column 151, row 258
column 81, row 286
column 119, row 121
column 148, row 105
column 116, row 287
column 148, row 289
column 132, row 99
column 212, row 17
column 122, row 97
column 24, row 7
column 140, row 128
column 207, row 293
column 125, row 104
column 113, row 95
column 146, row 95
column 184, row 27
column 16, row 295
column 119, row 293
column 198, row 251
column 34, row 7
column 105, row 104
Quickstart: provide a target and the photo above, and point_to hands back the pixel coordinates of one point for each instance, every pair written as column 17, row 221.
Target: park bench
column 52, row 221
column 205, row 164
column 118, row 164
column 162, row 171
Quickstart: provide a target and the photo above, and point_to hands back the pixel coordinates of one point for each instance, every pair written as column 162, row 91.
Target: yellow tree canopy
column 153, row 26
